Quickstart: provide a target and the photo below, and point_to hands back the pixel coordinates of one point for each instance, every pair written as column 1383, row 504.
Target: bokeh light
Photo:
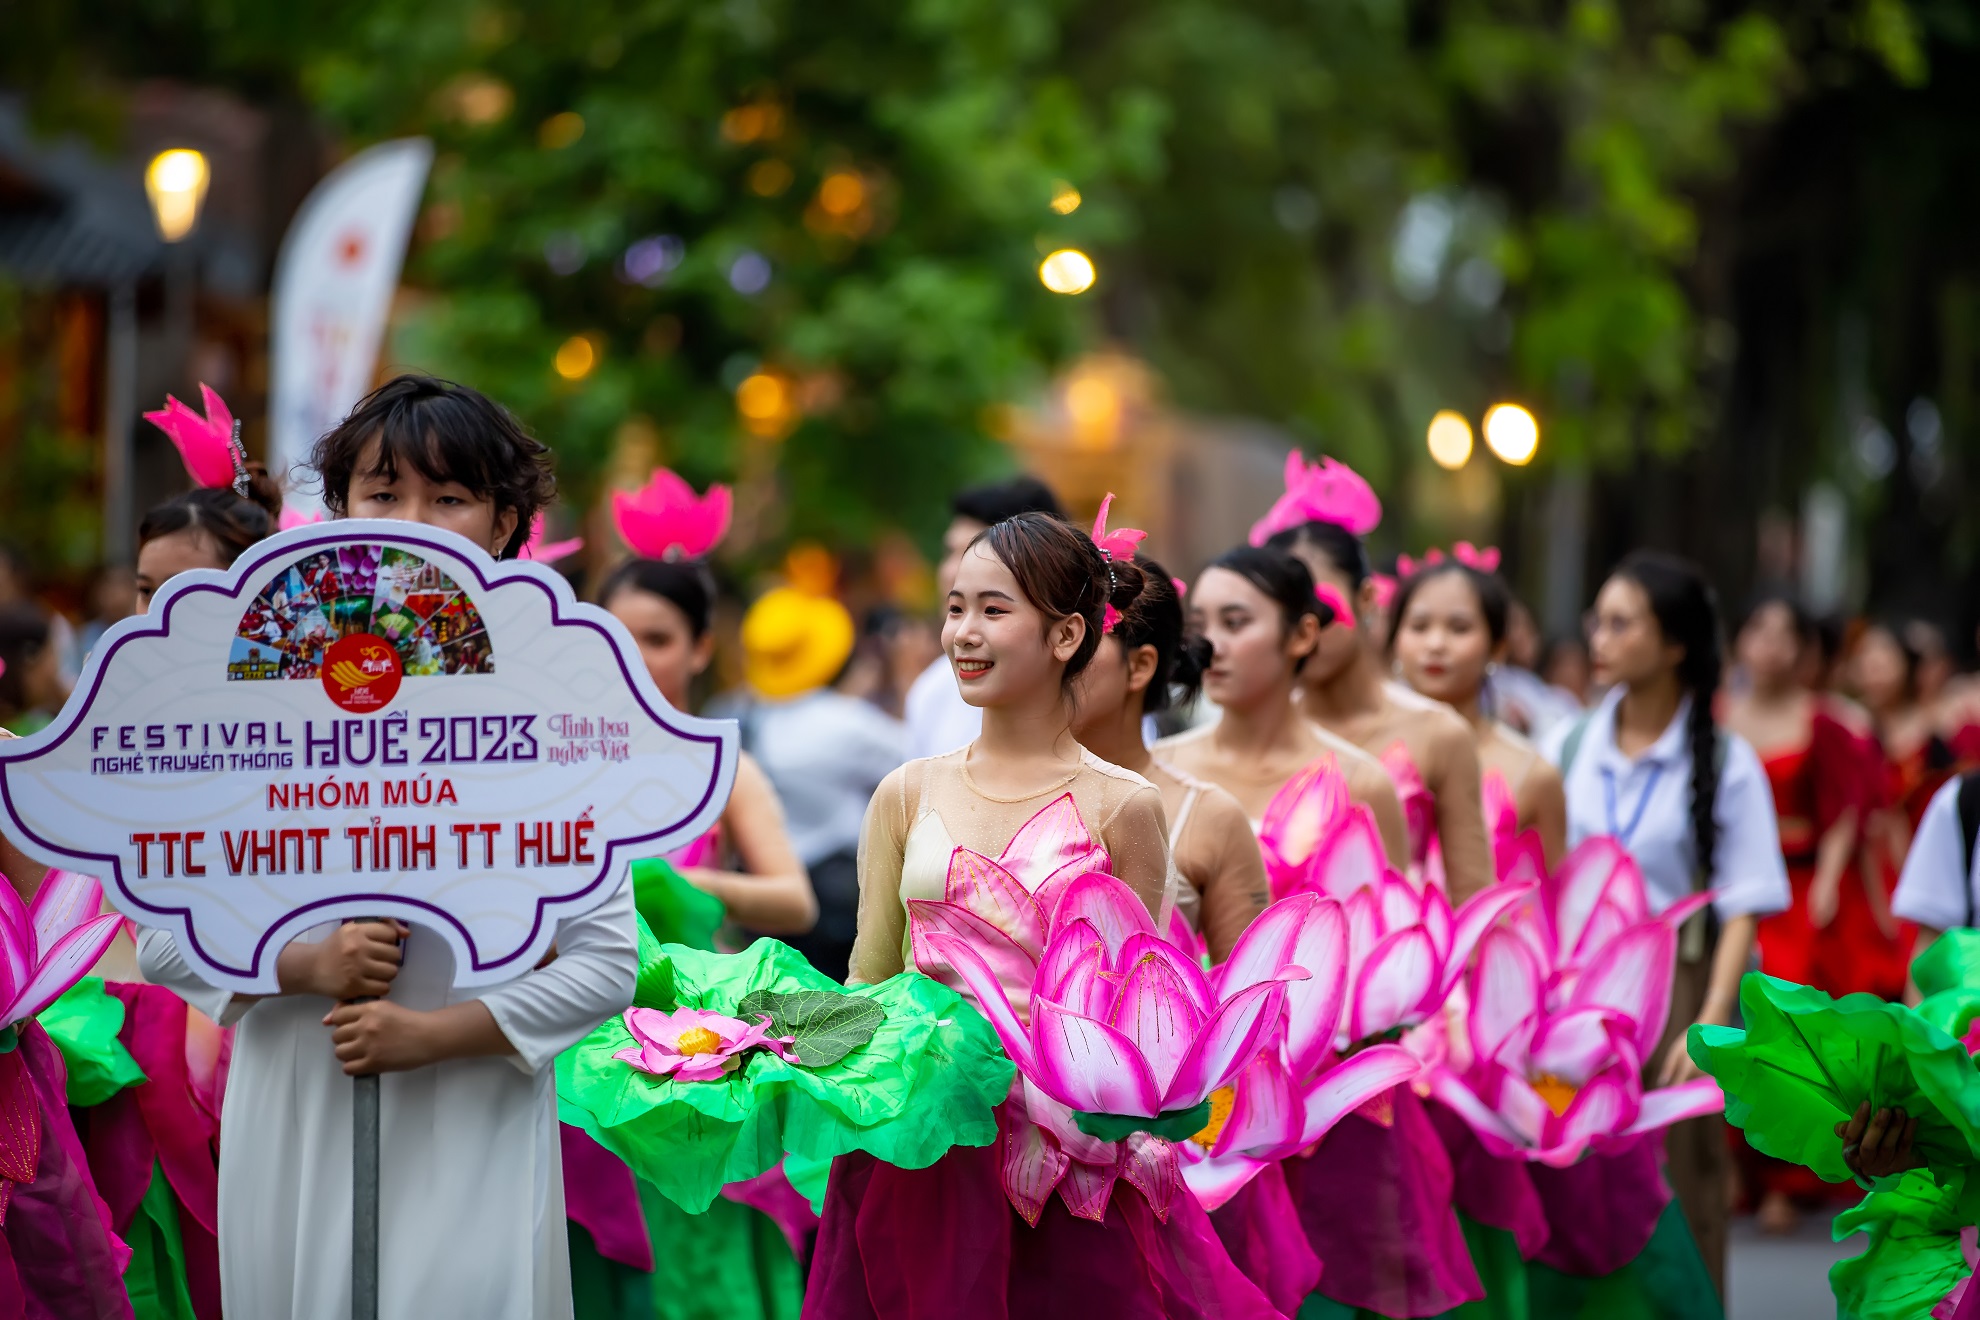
column 561, row 130
column 767, row 404
column 768, row 178
column 1450, row 439
column 1067, row 271
column 1065, row 198
column 175, row 181
column 1512, row 433
column 749, row 273
column 841, row 193
column 575, row 357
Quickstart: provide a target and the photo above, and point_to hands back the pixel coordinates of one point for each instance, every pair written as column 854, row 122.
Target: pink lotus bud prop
column 205, row 444
column 1326, row 491
column 665, row 519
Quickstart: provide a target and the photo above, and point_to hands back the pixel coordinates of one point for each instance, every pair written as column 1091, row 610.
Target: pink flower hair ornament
column 1330, row 595
column 1327, row 491
column 210, row 446
column 665, row 519
column 1117, row 547
column 696, row 1045
column 547, row 553
column 1484, row 560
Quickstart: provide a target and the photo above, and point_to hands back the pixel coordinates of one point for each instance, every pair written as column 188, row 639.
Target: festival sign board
column 364, row 718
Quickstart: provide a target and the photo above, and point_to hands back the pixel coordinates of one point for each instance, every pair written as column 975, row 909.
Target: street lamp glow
column 1067, row 271
column 1450, row 439
column 768, row 405
column 1512, row 433
column 175, row 181
column 575, row 357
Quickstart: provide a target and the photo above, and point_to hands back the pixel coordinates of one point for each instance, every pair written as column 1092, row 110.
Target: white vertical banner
column 334, row 281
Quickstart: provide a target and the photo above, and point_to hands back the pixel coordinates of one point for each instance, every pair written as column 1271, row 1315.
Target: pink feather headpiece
column 535, row 547
column 1118, row 546
column 1327, row 491
column 1464, row 552
column 209, row 445
column 665, row 519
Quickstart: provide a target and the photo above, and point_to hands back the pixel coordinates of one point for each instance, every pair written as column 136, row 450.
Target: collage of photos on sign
column 381, row 590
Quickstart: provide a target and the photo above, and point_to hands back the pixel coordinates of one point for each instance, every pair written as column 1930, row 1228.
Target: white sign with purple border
column 364, row 718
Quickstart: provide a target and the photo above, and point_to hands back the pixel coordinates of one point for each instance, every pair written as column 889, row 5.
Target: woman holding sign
column 471, row 1190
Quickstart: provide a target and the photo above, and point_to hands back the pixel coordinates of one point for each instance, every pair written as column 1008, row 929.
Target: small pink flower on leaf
column 696, row 1045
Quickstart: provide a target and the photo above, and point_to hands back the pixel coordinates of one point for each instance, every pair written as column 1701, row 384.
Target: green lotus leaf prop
column 84, row 1023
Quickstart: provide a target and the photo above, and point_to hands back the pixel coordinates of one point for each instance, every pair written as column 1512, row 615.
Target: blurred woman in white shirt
column 1691, row 803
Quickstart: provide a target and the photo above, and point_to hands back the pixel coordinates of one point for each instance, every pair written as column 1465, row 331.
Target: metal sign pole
column 364, row 1197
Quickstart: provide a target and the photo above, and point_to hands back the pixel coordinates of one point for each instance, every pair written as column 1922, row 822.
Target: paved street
column 1772, row 1278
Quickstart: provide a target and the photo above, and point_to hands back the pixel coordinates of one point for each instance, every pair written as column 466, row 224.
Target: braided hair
column 1687, row 611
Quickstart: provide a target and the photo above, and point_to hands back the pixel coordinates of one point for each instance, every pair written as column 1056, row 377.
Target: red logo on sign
column 361, row 672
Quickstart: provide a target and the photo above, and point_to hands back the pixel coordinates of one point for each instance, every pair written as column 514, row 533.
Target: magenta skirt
column 943, row 1243
column 1376, row 1203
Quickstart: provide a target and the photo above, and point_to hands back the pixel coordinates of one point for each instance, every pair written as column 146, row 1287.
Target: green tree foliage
column 1337, row 216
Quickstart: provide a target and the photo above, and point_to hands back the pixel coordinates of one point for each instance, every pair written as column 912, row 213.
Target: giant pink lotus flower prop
column 665, row 519
column 1566, row 1002
column 694, row 1044
column 1101, row 1015
column 50, row 944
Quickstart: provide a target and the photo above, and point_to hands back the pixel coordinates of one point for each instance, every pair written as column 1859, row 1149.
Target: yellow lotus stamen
column 698, row 1040
column 1221, row 1101
column 1557, row 1093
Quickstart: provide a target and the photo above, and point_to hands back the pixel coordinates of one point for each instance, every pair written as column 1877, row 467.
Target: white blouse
column 1938, row 887
column 1645, row 804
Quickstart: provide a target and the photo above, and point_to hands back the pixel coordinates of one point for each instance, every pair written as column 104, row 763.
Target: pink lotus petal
column 1524, row 1111
column 1265, row 1112
column 1473, row 920
column 1084, row 1063
column 1058, row 1119
column 62, row 966
column 1267, row 943
column 1163, row 1004
column 1352, row 857
column 1313, row 1006
column 1076, row 973
column 1397, row 979
column 1575, row 1046
column 1599, row 1109
column 1152, row 1166
column 1087, row 1188
column 1498, row 1136
column 1214, row 1180
column 1584, row 878
column 1507, row 997
column 1364, row 928
column 1308, row 808
column 1401, row 903
column 1053, row 846
column 1033, row 1163
column 1113, row 909
column 1348, row 1086
column 1185, row 939
column 1000, row 898
column 1674, row 1104
column 1437, row 920
column 989, row 995
column 1682, row 911
column 1226, row 1042
column 1014, row 967
column 17, row 942
column 1632, row 975
column 64, row 901
column 1523, row 860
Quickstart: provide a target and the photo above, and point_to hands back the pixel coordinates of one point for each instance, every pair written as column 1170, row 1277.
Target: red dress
column 1815, row 785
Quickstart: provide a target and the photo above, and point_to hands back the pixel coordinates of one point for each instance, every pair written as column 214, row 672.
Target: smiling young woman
column 1025, row 618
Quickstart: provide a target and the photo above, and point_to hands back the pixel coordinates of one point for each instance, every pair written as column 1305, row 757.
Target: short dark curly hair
column 448, row 432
